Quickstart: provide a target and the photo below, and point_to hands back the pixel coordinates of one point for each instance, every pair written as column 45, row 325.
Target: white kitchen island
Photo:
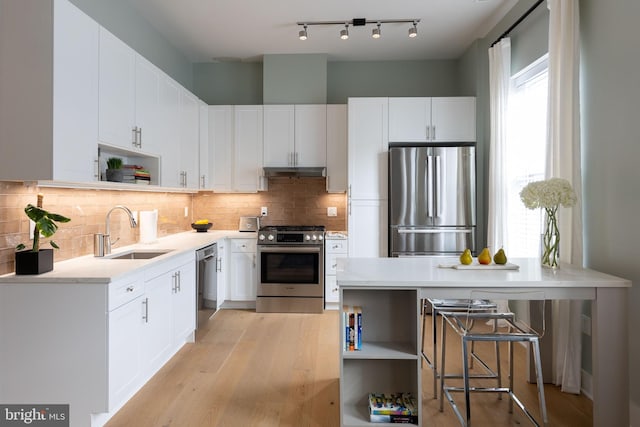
column 389, row 291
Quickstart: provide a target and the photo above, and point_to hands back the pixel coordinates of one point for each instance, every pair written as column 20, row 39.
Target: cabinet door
column 158, row 321
column 75, row 89
column 116, row 110
column 310, row 135
column 125, row 350
column 148, row 111
column 409, row 119
column 184, row 302
column 279, row 135
column 220, row 151
column 247, row 148
column 367, row 224
column 243, row 276
column 189, row 139
column 203, row 146
column 170, row 148
column 336, row 148
column 368, row 147
column 453, row 119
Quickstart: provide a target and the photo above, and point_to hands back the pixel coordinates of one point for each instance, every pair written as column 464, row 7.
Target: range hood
column 276, row 171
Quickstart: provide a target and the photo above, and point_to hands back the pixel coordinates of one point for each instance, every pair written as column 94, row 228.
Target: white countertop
column 90, row 269
column 425, row 272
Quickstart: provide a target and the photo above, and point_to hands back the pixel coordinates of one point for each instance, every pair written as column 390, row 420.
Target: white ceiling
column 244, row 30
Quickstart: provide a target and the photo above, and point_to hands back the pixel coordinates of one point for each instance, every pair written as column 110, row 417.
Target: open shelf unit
column 150, row 162
column 389, row 360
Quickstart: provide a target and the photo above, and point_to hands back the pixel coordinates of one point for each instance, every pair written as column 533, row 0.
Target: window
column 525, row 155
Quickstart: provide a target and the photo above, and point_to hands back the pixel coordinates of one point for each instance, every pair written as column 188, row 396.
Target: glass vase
column 550, row 240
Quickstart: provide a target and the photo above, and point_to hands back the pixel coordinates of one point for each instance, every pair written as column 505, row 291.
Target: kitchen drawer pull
column 145, row 315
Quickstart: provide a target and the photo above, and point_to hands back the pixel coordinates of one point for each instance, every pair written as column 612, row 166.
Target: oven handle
column 299, row 249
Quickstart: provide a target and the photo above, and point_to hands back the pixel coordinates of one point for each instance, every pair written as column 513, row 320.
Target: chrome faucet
column 102, row 242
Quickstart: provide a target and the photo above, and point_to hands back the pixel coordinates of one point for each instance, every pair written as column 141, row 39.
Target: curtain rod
column 515, row 24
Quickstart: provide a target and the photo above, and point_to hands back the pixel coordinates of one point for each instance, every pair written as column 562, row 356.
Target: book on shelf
column 400, row 408
column 352, row 327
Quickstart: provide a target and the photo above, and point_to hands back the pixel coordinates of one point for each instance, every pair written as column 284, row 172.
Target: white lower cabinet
column 334, row 249
column 243, row 280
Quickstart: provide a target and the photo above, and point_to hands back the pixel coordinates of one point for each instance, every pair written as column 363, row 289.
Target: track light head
column 344, row 34
column 413, row 31
column 302, row 35
column 376, row 32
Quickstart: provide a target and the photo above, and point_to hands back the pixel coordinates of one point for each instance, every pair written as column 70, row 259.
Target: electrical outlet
column 332, row 211
column 186, row 211
column 264, row 211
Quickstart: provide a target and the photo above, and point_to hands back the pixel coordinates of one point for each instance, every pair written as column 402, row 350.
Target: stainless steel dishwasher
column 206, row 261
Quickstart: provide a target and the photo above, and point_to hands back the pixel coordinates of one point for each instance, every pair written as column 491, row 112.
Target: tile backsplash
column 299, row 201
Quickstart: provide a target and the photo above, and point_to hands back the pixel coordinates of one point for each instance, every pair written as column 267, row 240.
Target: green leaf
column 57, row 217
column 34, row 213
column 20, row 247
column 54, row 244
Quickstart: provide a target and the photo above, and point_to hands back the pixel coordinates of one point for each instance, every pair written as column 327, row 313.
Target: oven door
column 291, row 271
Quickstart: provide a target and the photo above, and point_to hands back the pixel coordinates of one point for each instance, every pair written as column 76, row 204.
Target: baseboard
column 586, row 387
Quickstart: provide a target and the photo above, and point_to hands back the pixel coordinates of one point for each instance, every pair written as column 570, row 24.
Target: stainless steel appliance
column 206, row 272
column 249, row 223
column 432, row 199
column 290, row 269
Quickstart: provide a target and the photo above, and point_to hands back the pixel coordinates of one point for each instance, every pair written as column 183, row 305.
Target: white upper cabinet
column 49, row 85
column 117, row 117
column 445, row 119
column 169, row 144
column 247, row 148
column 279, row 135
column 368, row 147
column 203, row 145
column 189, row 140
column 336, row 148
column 311, row 135
column 220, row 148
column 235, row 148
column 295, row 135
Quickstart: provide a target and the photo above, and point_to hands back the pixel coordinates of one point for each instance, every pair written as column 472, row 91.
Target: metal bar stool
column 455, row 305
column 464, row 324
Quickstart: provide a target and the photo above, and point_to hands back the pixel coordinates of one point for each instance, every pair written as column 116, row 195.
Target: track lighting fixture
column 360, row 22
column 413, row 31
column 376, row 32
column 344, row 34
column 302, row 35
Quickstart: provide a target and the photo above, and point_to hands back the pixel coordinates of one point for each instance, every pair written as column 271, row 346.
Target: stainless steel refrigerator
column 432, row 199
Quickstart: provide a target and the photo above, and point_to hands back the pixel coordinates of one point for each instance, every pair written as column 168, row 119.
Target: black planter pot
column 115, row 175
column 28, row 262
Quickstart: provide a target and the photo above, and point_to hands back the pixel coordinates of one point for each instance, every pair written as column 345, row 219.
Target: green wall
column 228, row 83
column 126, row 23
column 295, row 79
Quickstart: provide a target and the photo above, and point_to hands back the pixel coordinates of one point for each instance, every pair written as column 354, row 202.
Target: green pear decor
column 36, row 260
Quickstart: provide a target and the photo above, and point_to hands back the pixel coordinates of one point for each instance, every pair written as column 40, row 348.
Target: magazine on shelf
column 397, row 404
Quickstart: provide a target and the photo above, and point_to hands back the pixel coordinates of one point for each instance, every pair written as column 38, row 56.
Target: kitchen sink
column 139, row 254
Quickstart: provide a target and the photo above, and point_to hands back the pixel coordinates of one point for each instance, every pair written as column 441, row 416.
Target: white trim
column 531, row 71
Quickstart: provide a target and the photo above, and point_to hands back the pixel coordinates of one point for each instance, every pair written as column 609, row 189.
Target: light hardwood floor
column 255, row 369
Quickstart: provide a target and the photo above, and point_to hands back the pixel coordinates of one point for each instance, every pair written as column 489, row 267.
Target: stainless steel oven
column 290, row 269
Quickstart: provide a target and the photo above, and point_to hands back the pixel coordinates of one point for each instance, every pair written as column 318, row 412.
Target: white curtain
column 499, row 87
column 563, row 161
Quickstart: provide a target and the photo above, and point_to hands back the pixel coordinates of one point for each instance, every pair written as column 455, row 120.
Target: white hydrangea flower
column 548, row 194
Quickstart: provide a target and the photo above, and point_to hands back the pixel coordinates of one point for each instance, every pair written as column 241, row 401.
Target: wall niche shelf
column 148, row 161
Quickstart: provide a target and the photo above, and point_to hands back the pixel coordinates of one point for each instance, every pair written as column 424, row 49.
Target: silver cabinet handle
column 219, row 264
column 174, row 283
column 134, row 139
column 427, row 132
column 433, row 132
column 145, row 315
column 96, row 170
column 202, row 181
column 179, row 282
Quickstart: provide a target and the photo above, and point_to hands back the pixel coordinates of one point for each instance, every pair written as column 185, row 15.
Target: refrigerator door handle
column 434, row 231
column 437, row 182
column 429, row 186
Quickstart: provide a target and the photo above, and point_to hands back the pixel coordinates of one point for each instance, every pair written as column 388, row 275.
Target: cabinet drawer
column 243, row 245
column 331, row 262
column 123, row 291
column 336, row 246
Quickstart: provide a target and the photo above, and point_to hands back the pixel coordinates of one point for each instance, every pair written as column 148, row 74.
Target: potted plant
column 36, row 260
column 114, row 169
